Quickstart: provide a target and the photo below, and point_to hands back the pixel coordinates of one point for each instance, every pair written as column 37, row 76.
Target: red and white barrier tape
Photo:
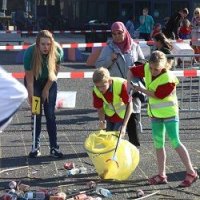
column 82, row 74
column 75, row 31
column 65, row 46
column 76, row 45
column 71, row 75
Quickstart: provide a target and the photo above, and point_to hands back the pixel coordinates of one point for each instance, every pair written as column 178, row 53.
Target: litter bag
column 100, row 147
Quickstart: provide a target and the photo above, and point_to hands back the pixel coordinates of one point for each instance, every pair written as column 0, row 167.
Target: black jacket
column 171, row 28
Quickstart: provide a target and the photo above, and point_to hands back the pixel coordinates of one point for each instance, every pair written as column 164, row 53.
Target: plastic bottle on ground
column 35, row 195
column 13, row 195
column 73, row 171
column 97, row 198
column 83, row 170
column 104, row 192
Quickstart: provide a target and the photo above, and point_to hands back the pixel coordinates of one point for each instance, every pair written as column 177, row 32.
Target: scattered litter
column 11, row 169
column 12, row 185
column 23, row 187
column 139, row 193
column 69, row 165
column 37, row 195
column 83, row 170
column 104, row 192
column 74, row 171
column 21, row 191
column 80, row 197
column 34, row 172
column 91, row 184
column 58, row 196
column 149, row 195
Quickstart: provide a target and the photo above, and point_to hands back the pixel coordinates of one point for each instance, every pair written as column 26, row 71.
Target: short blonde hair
column 159, row 59
column 101, row 75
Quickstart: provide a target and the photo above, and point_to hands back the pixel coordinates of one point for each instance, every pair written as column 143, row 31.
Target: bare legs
column 161, row 160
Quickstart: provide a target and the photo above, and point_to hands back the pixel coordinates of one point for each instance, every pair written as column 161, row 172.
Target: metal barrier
column 184, row 61
column 188, row 94
column 188, row 90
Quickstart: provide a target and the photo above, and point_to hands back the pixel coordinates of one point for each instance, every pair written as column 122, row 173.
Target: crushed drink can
column 80, row 197
column 12, row 184
column 69, row 165
column 91, row 184
column 58, row 196
column 23, row 187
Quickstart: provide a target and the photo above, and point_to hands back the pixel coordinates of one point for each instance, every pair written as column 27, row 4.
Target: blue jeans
column 49, row 111
column 111, row 126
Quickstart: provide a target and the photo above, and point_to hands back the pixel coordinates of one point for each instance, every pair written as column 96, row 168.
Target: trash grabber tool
column 35, row 111
column 118, row 139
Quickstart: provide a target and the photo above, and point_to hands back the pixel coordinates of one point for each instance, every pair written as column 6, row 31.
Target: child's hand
column 135, row 86
column 122, row 131
column 102, row 124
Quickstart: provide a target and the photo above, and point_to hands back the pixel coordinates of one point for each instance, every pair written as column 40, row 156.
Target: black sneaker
column 34, row 153
column 56, row 153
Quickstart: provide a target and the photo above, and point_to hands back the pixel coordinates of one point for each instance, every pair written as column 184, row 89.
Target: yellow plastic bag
column 100, row 147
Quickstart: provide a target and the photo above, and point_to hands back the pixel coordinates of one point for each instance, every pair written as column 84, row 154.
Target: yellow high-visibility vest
column 117, row 106
column 161, row 108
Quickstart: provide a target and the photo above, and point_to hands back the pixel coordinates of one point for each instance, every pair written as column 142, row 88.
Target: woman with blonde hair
column 163, row 110
column 41, row 64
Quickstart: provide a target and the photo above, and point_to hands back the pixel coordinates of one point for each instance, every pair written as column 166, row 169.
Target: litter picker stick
column 127, row 106
column 35, row 111
column 11, row 169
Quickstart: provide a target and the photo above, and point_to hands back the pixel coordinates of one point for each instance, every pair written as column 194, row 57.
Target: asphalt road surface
column 74, row 125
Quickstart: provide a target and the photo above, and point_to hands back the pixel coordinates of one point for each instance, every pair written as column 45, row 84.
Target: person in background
column 195, row 23
column 19, row 19
column 111, row 99
column 171, row 27
column 120, row 53
column 163, row 110
column 146, row 25
column 185, row 29
column 156, row 29
column 41, row 64
column 163, row 44
column 13, row 94
column 130, row 26
column 2, row 27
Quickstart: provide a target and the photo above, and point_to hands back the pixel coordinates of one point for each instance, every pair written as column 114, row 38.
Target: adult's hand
column 114, row 56
column 45, row 94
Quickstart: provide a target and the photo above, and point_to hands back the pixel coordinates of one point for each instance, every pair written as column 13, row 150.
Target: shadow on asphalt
column 19, row 161
column 75, row 112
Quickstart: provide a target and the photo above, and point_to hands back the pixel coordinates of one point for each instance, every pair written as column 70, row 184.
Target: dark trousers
column 133, row 129
column 145, row 36
column 49, row 112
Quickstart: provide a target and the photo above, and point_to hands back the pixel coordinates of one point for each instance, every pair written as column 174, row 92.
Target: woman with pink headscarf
column 120, row 53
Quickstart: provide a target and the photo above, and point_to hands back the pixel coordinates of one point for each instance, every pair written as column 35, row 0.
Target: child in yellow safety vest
column 162, row 108
column 111, row 99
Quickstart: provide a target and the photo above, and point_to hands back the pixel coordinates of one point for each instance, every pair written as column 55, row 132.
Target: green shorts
column 162, row 126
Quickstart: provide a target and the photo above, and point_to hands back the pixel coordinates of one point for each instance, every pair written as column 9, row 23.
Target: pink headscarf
column 124, row 46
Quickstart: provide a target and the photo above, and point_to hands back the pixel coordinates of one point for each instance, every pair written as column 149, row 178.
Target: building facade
column 75, row 14
column 80, row 12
